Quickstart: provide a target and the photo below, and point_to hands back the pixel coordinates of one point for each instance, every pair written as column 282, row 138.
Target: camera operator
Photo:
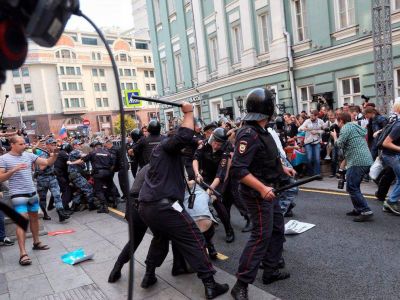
column 358, row 160
column 332, row 151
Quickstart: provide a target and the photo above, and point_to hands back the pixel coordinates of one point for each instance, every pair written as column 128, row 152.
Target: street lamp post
column 239, row 101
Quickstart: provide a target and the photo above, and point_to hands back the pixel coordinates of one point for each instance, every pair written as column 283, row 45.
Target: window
column 122, row 86
column 149, row 59
column 171, row 6
column 74, row 102
column 96, row 87
column 193, row 60
column 345, row 13
column 237, row 44
column 98, row 56
column 94, row 72
column 83, row 104
column 151, row 73
column 156, row 7
column 178, row 68
column 153, row 87
column 127, row 72
column 64, row 86
column 25, row 72
column 133, row 72
column 15, row 73
column 18, row 89
column 141, row 45
column 129, row 86
column 164, row 72
column 350, row 91
column 89, row 41
column 147, row 87
column 300, row 20
column 104, row 87
column 21, row 106
column 80, row 86
column 146, row 73
column 397, row 4
column 58, row 54
column 121, row 73
column 145, row 59
column 66, row 103
column 65, row 54
column 70, row 70
column 123, row 57
column 27, row 88
column 29, row 106
column 62, row 72
column 213, row 53
column 305, row 97
column 72, row 86
column 98, row 102
column 93, row 56
column 105, row 102
column 101, row 72
column 78, row 71
column 135, row 86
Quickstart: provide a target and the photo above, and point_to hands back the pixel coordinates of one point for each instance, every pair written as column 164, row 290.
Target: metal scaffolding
column 383, row 57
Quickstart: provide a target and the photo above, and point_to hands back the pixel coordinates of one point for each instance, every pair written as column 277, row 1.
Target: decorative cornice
column 345, row 33
column 303, row 46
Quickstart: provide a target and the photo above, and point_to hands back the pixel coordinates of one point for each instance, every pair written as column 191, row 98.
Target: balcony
column 74, row 110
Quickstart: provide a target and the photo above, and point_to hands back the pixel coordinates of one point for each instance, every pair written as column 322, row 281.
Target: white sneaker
column 6, row 242
column 327, row 157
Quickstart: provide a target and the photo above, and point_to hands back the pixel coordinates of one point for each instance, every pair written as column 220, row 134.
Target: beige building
column 73, row 83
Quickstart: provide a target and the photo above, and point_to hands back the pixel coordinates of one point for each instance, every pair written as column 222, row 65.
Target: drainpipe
column 291, row 73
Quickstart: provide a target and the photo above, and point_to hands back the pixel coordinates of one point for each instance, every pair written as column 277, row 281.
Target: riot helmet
column 260, row 105
column 66, row 147
column 136, row 134
column 218, row 135
column 154, row 127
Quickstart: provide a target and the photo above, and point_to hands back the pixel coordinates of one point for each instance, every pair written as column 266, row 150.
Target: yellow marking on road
column 332, row 193
column 220, row 256
column 116, row 211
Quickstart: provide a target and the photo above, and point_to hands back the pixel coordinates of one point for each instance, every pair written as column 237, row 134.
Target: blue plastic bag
column 76, row 256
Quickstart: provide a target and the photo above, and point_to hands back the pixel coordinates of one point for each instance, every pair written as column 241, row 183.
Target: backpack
column 384, row 134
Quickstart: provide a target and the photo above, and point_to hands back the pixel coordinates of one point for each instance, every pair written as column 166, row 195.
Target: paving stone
column 103, row 250
column 66, row 280
column 29, row 287
column 84, row 292
column 5, row 296
column 79, row 238
column 23, row 272
column 3, row 284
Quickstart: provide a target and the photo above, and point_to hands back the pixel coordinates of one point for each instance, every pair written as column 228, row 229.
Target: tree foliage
column 130, row 124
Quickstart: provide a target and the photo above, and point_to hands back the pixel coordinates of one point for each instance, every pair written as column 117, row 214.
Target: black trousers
column 134, row 167
column 103, row 188
column 121, row 181
column 231, row 196
column 167, row 224
column 385, row 180
column 65, row 189
column 266, row 239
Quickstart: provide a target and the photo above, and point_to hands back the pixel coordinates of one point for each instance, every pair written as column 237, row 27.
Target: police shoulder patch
column 242, row 147
column 223, row 162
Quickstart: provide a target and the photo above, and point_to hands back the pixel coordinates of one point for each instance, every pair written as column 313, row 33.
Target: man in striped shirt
column 15, row 166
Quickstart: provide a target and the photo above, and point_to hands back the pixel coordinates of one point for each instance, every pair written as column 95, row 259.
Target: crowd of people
column 224, row 163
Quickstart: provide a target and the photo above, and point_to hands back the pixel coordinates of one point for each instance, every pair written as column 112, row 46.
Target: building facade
column 213, row 52
column 73, row 83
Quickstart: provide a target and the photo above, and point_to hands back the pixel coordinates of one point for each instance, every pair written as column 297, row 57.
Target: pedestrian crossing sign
column 129, row 101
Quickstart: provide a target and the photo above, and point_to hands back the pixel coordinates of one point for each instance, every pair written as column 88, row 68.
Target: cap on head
column 51, row 141
column 260, row 105
column 76, row 142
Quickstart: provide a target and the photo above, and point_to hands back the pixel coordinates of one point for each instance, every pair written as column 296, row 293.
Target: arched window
column 65, row 53
column 74, row 121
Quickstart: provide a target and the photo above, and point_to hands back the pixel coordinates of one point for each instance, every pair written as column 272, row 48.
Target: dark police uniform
column 61, row 171
column 102, row 163
column 160, row 207
column 256, row 153
column 118, row 167
column 133, row 160
column 142, row 150
column 188, row 154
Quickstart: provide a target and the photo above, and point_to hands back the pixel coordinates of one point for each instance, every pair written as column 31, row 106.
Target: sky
column 104, row 13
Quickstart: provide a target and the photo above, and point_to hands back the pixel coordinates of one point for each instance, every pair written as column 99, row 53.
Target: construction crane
column 383, row 56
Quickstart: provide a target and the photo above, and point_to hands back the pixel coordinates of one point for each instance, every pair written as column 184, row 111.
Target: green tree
column 130, row 124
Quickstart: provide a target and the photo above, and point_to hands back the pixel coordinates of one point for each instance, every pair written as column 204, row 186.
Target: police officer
column 75, row 169
column 142, row 150
column 118, row 167
column 160, row 206
column 188, row 151
column 102, row 164
column 46, row 180
column 61, row 171
column 135, row 134
column 256, row 163
column 210, row 165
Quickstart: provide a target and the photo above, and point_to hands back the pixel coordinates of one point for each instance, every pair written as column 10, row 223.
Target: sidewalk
column 330, row 184
column 104, row 235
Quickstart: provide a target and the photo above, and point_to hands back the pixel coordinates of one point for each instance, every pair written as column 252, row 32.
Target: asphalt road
column 337, row 259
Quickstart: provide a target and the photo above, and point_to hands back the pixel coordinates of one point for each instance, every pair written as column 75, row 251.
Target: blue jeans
column 2, row 226
column 313, row 152
column 354, row 176
column 394, row 162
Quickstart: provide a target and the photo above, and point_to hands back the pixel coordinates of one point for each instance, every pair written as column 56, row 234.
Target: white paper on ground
column 296, row 227
column 86, row 257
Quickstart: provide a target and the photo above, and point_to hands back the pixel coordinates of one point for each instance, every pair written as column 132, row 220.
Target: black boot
column 102, row 209
column 115, row 274
column 92, row 206
column 76, row 207
column 214, row 289
column 62, row 216
column 149, row 278
column 230, row 235
column 45, row 215
column 272, row 276
column 249, row 225
column 68, row 211
column 211, row 251
column 208, row 235
column 240, row 291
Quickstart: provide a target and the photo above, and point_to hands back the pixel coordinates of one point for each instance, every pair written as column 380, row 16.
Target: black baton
column 156, row 100
column 205, row 185
column 297, row 183
column 16, row 217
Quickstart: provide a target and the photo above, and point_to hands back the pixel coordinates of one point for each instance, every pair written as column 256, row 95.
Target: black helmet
column 212, row 125
column 279, row 123
column 66, row 147
column 154, row 127
column 136, row 134
column 260, row 105
column 218, row 135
